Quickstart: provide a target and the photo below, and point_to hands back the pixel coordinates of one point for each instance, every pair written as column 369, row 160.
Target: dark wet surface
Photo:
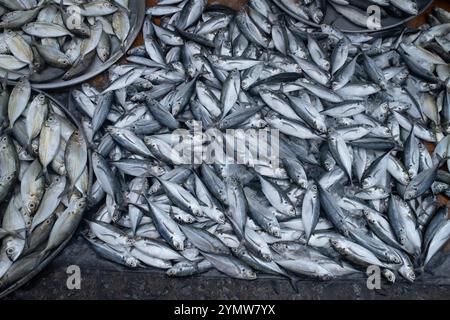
column 101, row 279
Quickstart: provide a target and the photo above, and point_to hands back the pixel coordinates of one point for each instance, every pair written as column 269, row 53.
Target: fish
column 60, row 39
column 350, row 184
column 49, row 140
column 31, row 180
column 19, row 97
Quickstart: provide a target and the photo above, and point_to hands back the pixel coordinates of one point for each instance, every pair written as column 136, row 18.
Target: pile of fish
column 312, row 12
column 49, row 39
column 43, row 180
column 356, row 185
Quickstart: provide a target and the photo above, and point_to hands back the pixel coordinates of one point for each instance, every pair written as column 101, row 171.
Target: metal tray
column 137, row 15
column 6, row 291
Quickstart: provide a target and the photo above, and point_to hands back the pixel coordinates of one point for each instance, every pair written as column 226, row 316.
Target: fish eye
column 31, row 205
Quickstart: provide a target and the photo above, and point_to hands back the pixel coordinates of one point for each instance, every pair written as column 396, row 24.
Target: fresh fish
column 351, row 113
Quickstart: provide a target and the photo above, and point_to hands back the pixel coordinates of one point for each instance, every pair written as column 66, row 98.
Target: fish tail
column 123, row 48
column 67, row 190
column 293, row 281
column 43, row 254
column 28, row 237
column 43, row 173
column 29, row 148
column 40, row 175
column 5, row 129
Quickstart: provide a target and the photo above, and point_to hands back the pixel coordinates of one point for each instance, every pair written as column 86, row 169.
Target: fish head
column 158, row 171
column 51, row 121
column 80, row 204
column 329, row 165
column 303, row 183
column 131, row 261
column 258, row 124
column 150, row 142
column 369, row 216
column 248, row 274
column 172, row 272
column 275, row 231
column 4, row 180
column 178, row 243
column 266, row 256
column 41, row 98
column 30, row 205
column 279, row 247
column 407, row 273
column 176, row 107
column 393, row 257
column 390, row 276
column 410, row 193
column 107, row 5
column 196, row 210
column 335, row 85
column 10, row 34
column 12, row 250
column 188, row 219
column 64, row 62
